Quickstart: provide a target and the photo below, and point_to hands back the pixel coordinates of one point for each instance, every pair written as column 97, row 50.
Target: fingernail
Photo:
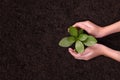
column 69, row 49
column 73, row 26
column 68, row 29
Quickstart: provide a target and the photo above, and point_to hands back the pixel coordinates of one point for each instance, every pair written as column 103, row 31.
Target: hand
column 89, row 53
column 91, row 28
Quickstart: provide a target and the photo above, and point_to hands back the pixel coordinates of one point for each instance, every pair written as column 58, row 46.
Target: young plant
column 78, row 37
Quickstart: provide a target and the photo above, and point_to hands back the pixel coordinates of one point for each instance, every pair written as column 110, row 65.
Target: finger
column 77, row 24
column 82, row 26
column 75, row 55
column 85, row 57
column 89, row 24
column 87, row 50
column 87, row 54
column 72, row 52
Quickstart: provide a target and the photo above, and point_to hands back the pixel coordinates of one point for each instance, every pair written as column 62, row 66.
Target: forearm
column 112, row 54
column 113, row 28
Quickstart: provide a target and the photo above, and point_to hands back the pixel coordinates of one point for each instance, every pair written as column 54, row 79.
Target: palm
column 89, row 53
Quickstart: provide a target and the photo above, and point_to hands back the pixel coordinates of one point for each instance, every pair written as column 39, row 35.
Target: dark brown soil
column 31, row 29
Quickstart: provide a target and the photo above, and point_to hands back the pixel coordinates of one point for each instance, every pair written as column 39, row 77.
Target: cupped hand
column 89, row 53
column 91, row 28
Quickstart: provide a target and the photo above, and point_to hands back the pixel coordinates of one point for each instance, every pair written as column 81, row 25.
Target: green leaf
column 73, row 31
column 90, row 41
column 66, row 41
column 79, row 47
column 82, row 37
column 80, row 31
column 71, row 39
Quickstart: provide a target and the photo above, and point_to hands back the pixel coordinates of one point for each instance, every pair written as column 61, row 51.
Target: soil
column 31, row 29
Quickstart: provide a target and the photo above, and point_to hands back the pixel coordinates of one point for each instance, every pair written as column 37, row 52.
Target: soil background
column 31, row 29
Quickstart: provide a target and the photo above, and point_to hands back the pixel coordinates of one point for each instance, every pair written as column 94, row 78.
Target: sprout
column 79, row 38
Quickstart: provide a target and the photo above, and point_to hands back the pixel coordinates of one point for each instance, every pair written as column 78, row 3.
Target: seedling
column 78, row 37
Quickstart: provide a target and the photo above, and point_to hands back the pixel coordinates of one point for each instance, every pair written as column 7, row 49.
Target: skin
column 97, row 49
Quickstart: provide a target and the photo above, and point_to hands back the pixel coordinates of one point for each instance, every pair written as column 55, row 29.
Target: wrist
column 106, row 31
column 110, row 29
column 101, row 33
column 108, row 52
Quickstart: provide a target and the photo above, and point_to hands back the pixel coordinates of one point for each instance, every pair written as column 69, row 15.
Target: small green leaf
column 71, row 39
column 66, row 41
column 82, row 37
column 80, row 31
column 79, row 47
column 90, row 41
column 73, row 31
